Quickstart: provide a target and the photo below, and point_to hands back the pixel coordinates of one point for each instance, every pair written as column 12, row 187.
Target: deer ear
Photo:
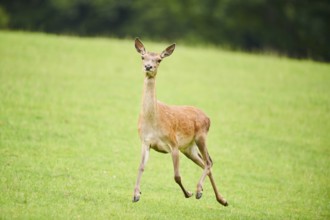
column 139, row 46
column 168, row 51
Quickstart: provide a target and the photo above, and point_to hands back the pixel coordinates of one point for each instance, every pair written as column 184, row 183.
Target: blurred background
column 295, row 28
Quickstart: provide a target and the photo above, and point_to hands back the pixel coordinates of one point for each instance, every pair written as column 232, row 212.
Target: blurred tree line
column 298, row 28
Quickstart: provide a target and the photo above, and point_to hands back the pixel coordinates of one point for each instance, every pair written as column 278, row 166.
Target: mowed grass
column 69, row 147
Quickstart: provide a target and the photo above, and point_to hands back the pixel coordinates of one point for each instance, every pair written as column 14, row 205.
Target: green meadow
column 69, row 147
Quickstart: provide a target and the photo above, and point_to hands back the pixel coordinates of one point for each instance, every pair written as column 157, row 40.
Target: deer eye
column 142, row 58
column 158, row 61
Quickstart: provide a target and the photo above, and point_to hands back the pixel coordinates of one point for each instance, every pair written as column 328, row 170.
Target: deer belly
column 158, row 144
column 162, row 148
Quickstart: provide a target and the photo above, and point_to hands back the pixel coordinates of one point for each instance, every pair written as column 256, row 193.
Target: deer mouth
column 150, row 74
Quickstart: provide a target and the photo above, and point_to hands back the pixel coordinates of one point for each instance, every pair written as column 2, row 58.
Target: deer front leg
column 144, row 160
column 177, row 177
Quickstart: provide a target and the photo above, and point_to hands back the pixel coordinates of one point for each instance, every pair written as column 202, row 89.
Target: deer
column 171, row 129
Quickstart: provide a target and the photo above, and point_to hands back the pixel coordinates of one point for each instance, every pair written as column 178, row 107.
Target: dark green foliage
column 296, row 28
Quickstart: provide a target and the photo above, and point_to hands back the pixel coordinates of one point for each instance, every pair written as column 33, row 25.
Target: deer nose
column 148, row 67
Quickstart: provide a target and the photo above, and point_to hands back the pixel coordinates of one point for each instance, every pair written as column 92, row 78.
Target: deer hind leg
column 177, row 177
column 201, row 143
column 193, row 154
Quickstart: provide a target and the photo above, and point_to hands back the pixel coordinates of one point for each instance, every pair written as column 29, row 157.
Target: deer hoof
column 199, row 195
column 136, row 198
column 189, row 194
column 223, row 202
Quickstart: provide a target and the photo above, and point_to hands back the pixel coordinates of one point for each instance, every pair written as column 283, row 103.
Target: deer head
column 151, row 60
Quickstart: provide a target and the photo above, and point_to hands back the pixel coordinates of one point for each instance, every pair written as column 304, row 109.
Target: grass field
column 69, row 147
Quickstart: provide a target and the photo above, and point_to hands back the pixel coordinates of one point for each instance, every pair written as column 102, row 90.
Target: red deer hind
column 170, row 129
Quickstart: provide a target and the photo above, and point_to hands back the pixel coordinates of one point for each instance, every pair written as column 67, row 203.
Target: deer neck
column 149, row 101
